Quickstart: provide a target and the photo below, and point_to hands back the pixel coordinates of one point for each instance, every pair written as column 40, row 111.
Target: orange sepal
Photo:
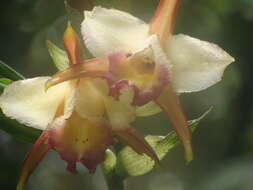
column 72, row 46
column 91, row 68
column 169, row 102
column 137, row 142
column 32, row 159
column 163, row 20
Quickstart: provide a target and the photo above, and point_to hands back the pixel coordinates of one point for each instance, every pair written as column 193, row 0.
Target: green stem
column 114, row 181
column 115, row 184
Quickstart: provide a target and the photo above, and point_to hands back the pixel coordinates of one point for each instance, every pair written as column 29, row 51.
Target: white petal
column 27, row 101
column 197, row 64
column 152, row 42
column 109, row 30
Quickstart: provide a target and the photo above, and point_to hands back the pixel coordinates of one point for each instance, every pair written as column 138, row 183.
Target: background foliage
column 224, row 141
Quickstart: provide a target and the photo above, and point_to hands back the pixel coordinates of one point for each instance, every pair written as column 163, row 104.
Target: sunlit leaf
column 109, row 163
column 129, row 163
column 113, row 180
column 58, row 55
column 3, row 83
column 8, row 72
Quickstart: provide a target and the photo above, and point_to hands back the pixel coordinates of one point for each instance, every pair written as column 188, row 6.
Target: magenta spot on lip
column 142, row 96
column 116, row 88
column 147, row 94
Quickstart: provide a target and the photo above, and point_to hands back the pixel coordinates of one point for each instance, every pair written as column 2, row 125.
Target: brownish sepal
column 32, row 159
column 169, row 102
column 137, row 142
column 163, row 20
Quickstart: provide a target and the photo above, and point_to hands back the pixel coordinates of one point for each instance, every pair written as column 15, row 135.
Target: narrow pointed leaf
column 8, row 72
column 3, row 83
column 58, row 55
column 172, row 139
column 129, row 163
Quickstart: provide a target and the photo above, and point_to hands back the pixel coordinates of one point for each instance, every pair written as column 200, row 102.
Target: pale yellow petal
column 89, row 102
column 108, row 30
column 120, row 112
column 197, row 64
column 93, row 102
column 148, row 109
column 29, row 103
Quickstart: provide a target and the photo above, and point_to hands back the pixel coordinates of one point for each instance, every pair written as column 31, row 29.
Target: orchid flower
column 152, row 61
column 78, row 117
column 137, row 66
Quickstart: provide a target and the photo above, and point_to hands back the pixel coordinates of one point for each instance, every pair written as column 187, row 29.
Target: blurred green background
column 223, row 144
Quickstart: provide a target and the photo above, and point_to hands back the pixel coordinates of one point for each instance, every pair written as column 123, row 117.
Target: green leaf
column 17, row 130
column 8, row 72
column 58, row 55
column 3, row 83
column 129, row 163
column 114, row 182
column 110, row 162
